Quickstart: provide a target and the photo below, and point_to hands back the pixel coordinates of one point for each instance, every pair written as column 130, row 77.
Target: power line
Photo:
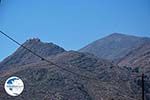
column 42, row 58
column 50, row 62
column 143, row 87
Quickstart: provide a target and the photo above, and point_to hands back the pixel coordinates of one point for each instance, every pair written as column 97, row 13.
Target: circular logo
column 14, row 86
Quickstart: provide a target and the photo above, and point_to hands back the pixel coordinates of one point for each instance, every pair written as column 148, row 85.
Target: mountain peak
column 114, row 46
column 22, row 56
column 36, row 41
column 33, row 40
column 121, row 35
column 117, row 34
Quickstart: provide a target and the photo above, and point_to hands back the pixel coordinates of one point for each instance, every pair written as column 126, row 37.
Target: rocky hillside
column 79, row 76
column 139, row 61
column 114, row 46
column 95, row 79
column 140, row 57
column 23, row 56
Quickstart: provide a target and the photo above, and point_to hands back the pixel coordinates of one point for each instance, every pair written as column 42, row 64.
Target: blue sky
column 71, row 23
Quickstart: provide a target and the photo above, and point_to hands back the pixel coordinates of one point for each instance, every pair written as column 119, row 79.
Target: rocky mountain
column 23, row 56
column 95, row 79
column 139, row 60
column 114, row 46
column 77, row 75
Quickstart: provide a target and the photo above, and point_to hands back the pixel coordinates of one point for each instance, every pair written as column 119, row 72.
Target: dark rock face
column 23, row 56
column 114, row 46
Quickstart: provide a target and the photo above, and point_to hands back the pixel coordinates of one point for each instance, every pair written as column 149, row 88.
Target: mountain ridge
column 114, row 46
column 23, row 56
column 102, row 79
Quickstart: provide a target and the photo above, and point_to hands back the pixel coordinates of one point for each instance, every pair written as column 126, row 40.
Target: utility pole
column 143, row 87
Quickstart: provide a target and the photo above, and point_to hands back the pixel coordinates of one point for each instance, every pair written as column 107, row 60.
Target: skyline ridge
column 110, row 35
